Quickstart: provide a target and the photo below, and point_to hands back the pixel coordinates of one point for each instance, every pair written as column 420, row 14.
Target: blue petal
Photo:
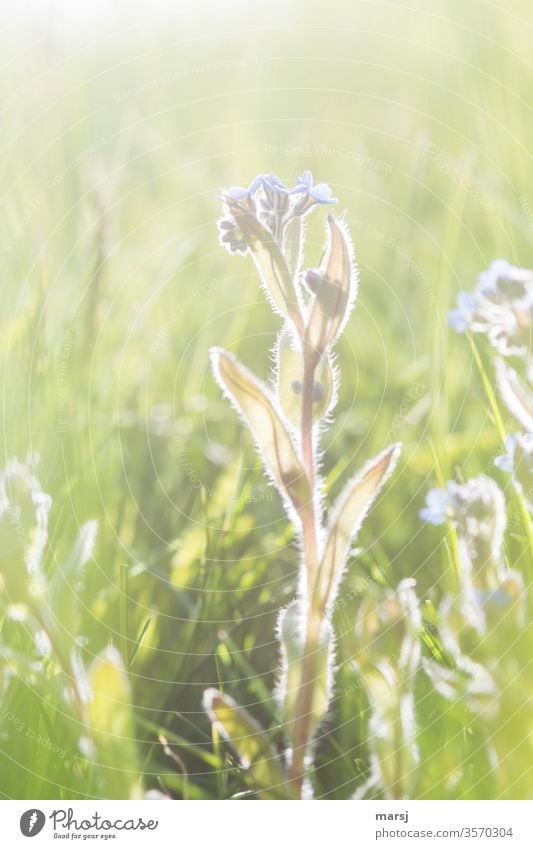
column 303, row 185
column 467, row 301
column 504, row 462
column 498, row 596
column 255, row 184
column 510, row 443
column 435, row 509
column 322, row 194
column 299, row 189
column 306, row 181
column 273, row 182
column 427, row 515
column 488, row 279
column 237, row 192
column 458, row 320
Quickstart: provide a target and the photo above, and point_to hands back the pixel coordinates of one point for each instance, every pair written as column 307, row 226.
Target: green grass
column 114, row 288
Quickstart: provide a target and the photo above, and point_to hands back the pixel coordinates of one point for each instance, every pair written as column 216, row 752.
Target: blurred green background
column 119, row 127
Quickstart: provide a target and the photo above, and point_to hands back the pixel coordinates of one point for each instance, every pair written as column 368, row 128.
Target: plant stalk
column 302, row 727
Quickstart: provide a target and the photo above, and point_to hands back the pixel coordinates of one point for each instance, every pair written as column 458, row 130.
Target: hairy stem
column 310, row 545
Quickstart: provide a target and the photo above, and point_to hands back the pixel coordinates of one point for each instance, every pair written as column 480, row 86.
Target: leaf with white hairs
column 249, row 741
column 290, row 376
column 274, row 273
column 253, row 400
column 292, row 636
column 347, row 516
column 334, row 286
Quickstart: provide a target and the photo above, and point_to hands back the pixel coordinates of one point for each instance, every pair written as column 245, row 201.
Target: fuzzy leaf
column 334, row 287
column 515, row 395
column 290, row 370
column 291, row 628
column 293, row 244
column 252, row 399
column 269, row 261
column 347, row 516
column 110, row 719
column 249, row 741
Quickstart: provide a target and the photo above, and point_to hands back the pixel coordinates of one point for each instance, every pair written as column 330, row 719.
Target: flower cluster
column 489, row 598
column 501, row 307
column 476, row 510
column 273, row 203
column 490, row 595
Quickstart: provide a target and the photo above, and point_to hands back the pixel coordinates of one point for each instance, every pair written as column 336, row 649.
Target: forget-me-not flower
column 311, row 193
column 460, row 318
column 501, row 307
column 436, row 509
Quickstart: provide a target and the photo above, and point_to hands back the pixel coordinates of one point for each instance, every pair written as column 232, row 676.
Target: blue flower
column 267, row 182
column 238, row 193
column 505, row 462
column 271, row 182
column 519, row 462
column 498, row 596
column 321, row 193
column 459, row 319
column 498, row 270
column 436, row 507
column 273, row 185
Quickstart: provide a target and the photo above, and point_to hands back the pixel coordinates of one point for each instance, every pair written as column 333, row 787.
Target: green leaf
column 334, row 287
column 66, row 588
column 253, row 400
column 270, row 263
column 290, row 372
column 347, row 516
column 250, row 742
column 110, row 718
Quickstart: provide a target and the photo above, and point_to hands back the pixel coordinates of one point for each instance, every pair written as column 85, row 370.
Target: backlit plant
column 43, row 649
column 487, row 608
column 267, row 221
